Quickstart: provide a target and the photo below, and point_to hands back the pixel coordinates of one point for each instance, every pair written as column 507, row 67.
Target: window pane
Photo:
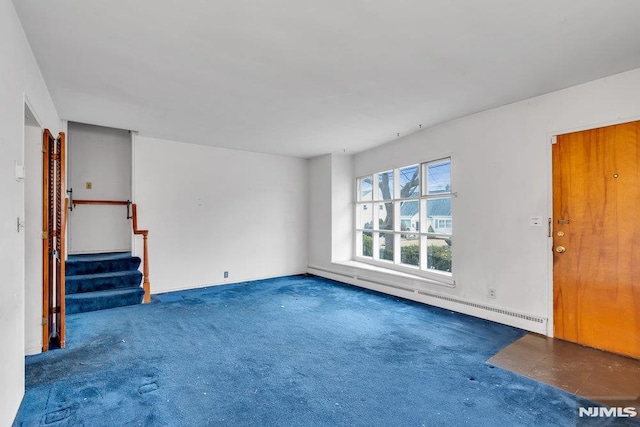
column 439, row 254
column 365, row 184
column 386, row 246
column 438, row 218
column 409, row 182
column 367, row 244
column 385, row 215
column 410, row 249
column 365, row 216
column 385, row 185
column 438, row 177
column 410, row 215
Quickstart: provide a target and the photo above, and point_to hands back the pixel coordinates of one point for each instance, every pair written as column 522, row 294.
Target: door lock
column 560, row 249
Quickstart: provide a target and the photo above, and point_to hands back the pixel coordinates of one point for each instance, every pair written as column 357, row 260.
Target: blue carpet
column 102, row 281
column 99, row 256
column 290, row 351
column 100, row 263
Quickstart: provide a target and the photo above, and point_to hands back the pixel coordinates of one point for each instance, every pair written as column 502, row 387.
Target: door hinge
column 45, row 321
column 549, row 227
column 45, row 235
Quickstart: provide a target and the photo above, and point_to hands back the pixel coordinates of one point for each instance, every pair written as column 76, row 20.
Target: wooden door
column 54, row 216
column 596, row 238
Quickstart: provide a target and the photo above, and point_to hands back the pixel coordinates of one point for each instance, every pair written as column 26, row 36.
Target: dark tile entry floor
column 597, row 375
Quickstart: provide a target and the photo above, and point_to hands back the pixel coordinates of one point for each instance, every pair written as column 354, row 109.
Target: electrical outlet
column 492, row 293
column 226, row 274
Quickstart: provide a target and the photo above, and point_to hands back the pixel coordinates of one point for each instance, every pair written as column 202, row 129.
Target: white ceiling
column 307, row 77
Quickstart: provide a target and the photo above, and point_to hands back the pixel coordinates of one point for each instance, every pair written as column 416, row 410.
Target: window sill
column 431, row 279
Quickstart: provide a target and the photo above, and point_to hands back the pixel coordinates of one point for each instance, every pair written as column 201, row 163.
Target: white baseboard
column 513, row 318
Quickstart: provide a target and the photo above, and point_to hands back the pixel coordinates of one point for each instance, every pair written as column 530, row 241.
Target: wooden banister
column 146, row 285
column 100, row 202
column 145, row 251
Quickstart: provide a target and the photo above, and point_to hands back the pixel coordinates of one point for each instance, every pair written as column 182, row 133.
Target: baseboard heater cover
column 363, row 279
column 527, row 317
column 486, row 307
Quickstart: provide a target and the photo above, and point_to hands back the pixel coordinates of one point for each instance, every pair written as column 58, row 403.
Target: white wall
column 33, row 239
column 102, row 157
column 320, row 210
column 342, row 196
column 331, row 209
column 501, row 172
column 210, row 210
column 19, row 76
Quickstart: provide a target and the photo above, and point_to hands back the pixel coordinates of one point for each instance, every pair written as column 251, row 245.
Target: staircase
column 101, row 281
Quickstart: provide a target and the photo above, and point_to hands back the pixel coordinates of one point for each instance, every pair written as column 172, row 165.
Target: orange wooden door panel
column 46, row 231
column 53, row 240
column 596, row 217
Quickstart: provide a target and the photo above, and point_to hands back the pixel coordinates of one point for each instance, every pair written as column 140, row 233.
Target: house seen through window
column 403, row 217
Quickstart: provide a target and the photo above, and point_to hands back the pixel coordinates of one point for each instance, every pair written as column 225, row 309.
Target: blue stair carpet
column 292, row 351
column 100, row 263
column 101, row 281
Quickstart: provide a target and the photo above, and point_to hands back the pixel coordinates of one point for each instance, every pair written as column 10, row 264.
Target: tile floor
column 597, row 375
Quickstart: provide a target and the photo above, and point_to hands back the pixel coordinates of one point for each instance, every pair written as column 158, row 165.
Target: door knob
column 560, row 249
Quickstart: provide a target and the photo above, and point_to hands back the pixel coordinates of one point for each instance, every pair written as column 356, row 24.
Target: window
column 443, row 224
column 403, row 218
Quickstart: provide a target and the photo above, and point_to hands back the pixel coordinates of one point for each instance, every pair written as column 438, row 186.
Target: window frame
column 422, row 196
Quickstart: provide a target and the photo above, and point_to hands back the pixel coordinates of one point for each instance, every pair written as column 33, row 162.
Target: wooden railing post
column 145, row 271
column 145, row 254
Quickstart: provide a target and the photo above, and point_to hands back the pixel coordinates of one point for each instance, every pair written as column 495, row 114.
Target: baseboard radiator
column 522, row 320
column 528, row 317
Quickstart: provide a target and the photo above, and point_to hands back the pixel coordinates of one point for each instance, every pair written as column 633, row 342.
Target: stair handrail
column 100, row 202
column 146, row 285
column 145, row 263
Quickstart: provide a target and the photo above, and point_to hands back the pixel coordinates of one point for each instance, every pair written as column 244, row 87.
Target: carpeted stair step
column 102, row 281
column 100, row 263
column 100, row 300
